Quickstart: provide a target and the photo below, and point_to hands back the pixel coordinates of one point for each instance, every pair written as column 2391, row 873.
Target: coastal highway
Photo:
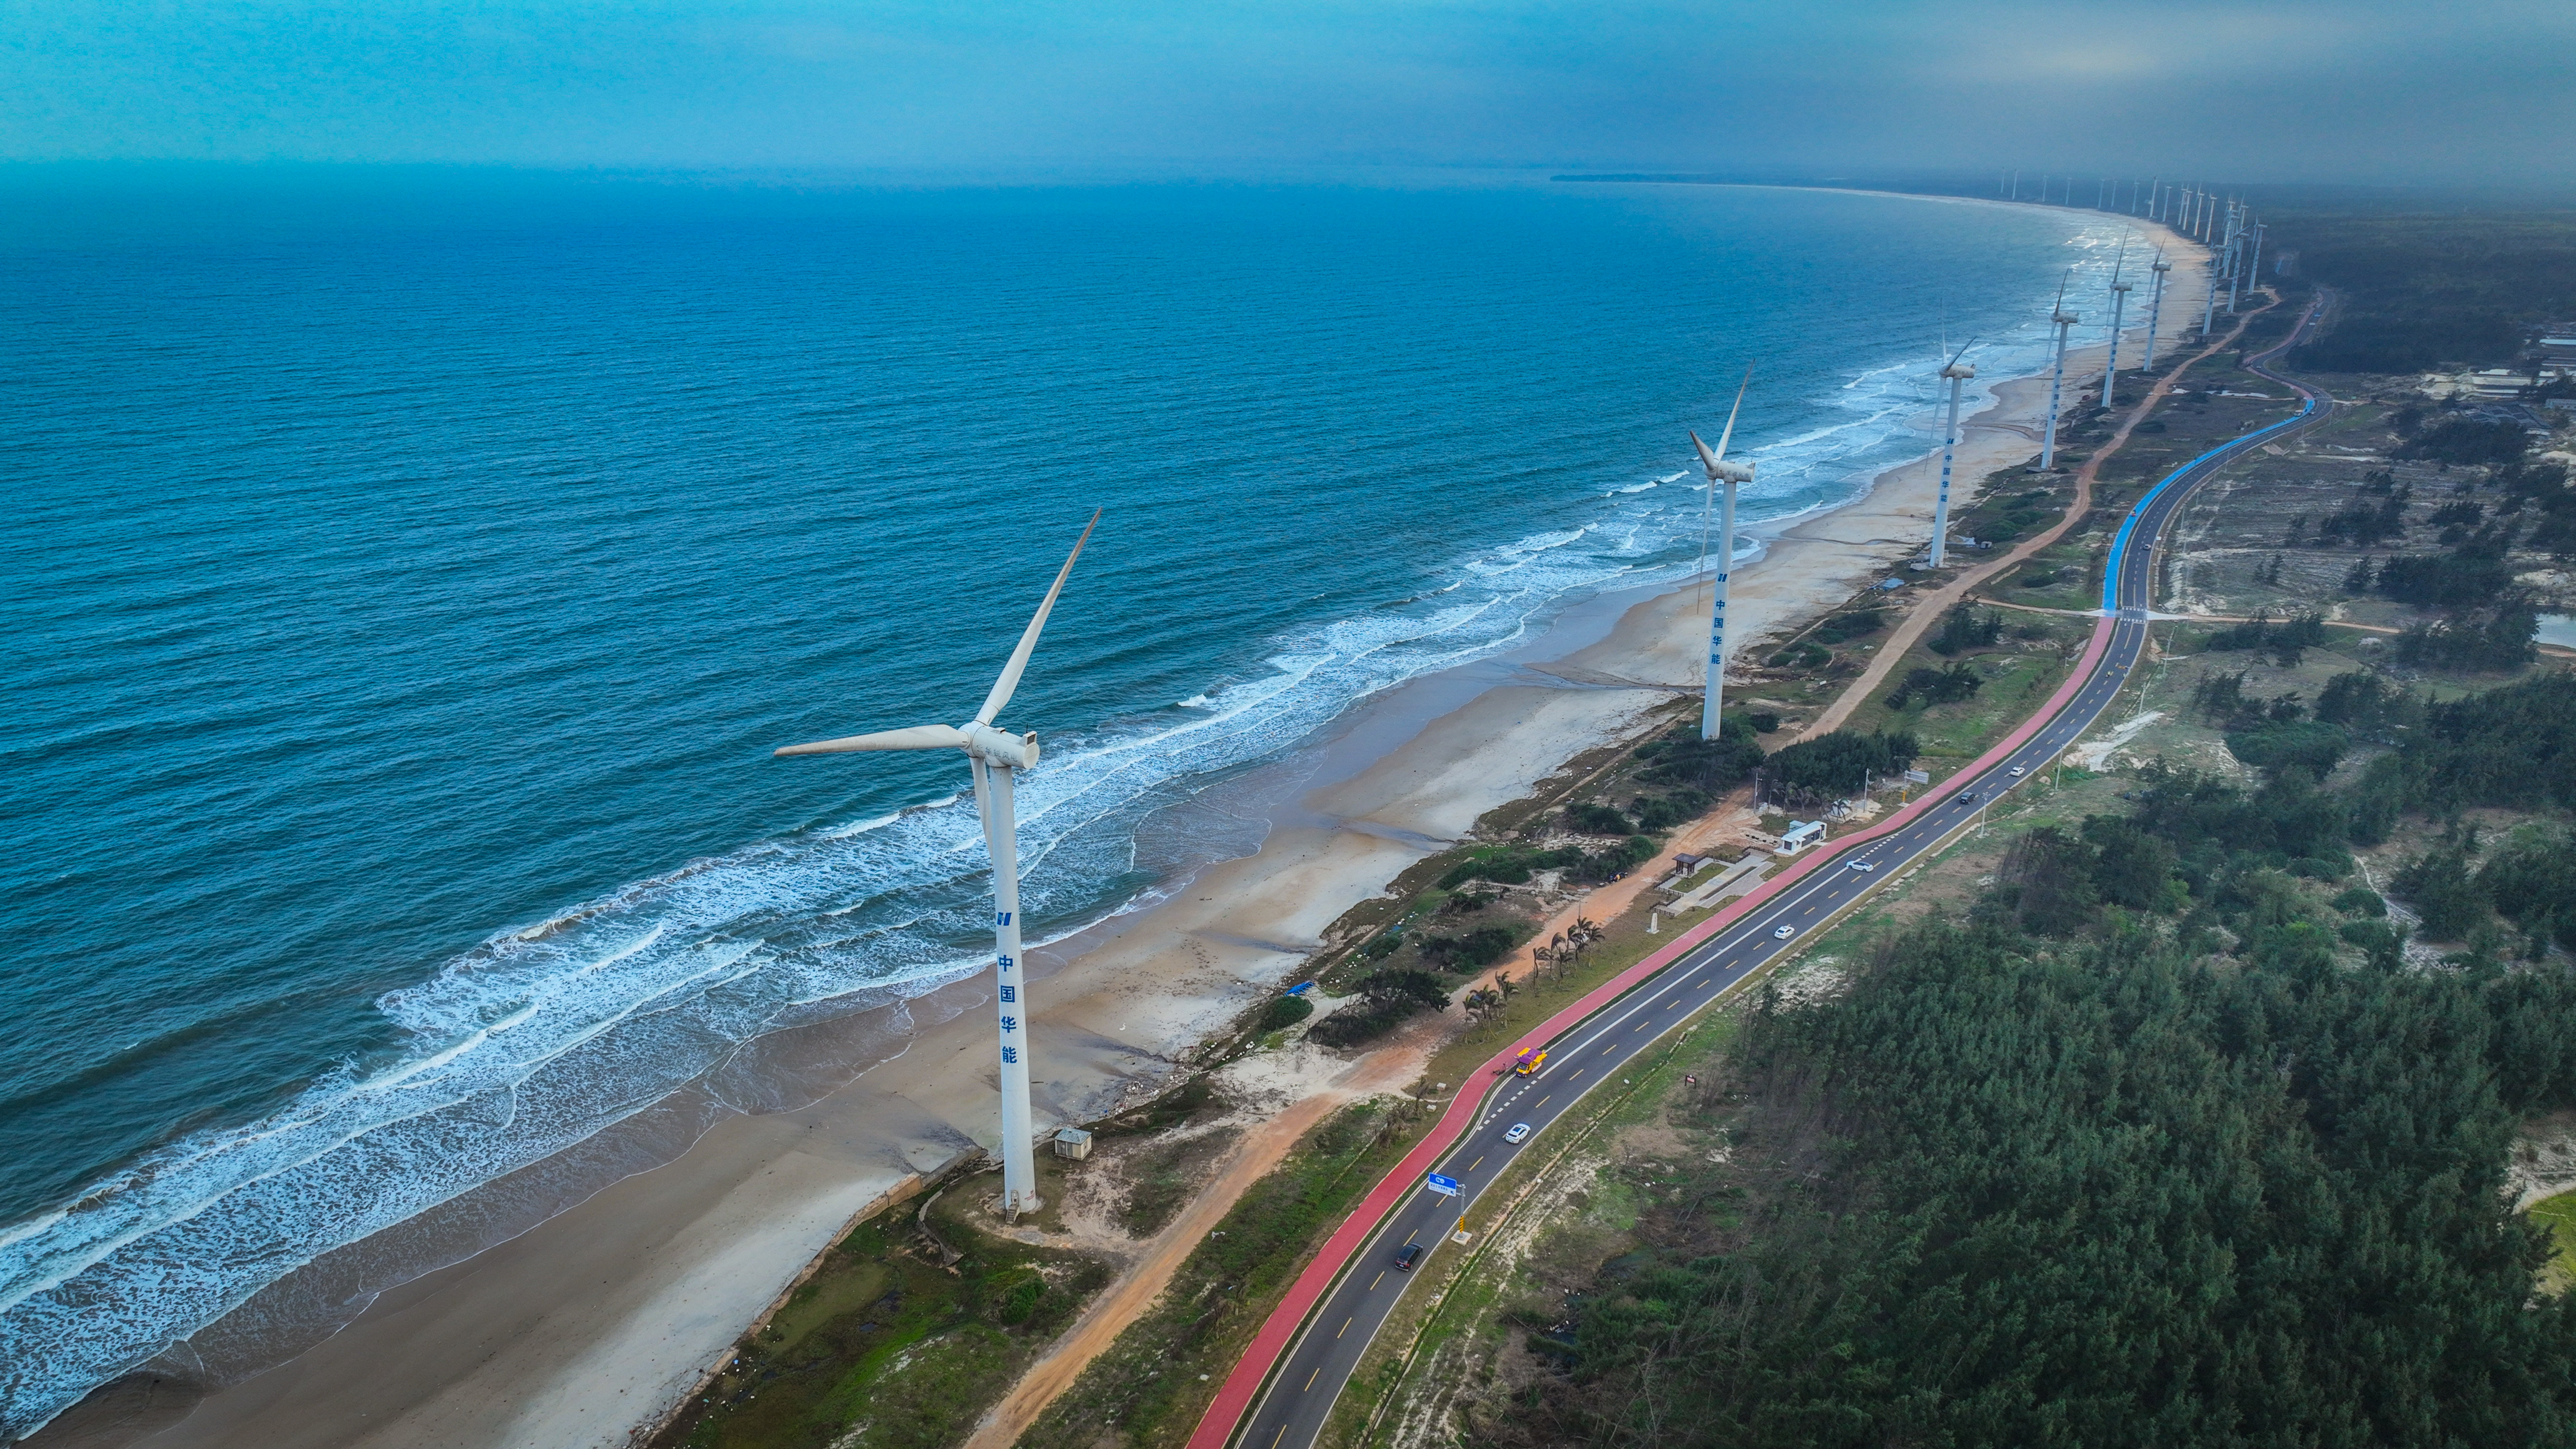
column 1300, row 1393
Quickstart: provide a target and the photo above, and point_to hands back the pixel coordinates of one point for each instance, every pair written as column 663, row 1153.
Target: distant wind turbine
column 2063, row 319
column 2228, row 238
column 2119, row 305
column 2209, row 297
column 1957, row 372
column 996, row 756
column 2156, row 306
column 1721, row 473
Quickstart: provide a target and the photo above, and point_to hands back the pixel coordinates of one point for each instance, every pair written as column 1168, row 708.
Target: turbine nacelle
column 2064, row 319
column 1002, row 747
column 1714, row 460
column 1961, row 371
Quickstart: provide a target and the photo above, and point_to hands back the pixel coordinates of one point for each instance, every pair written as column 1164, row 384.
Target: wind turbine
column 2208, row 297
column 2156, row 306
column 2056, row 379
column 1720, row 472
column 996, row 756
column 1957, row 372
column 2229, row 239
column 2119, row 304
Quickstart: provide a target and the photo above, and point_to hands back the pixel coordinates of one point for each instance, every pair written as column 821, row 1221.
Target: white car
column 1785, row 932
column 1864, row 866
column 1519, row 1130
column 2017, row 772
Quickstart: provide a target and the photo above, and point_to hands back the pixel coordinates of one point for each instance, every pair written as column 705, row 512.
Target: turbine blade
column 1009, row 683
column 1724, row 437
column 919, row 737
column 1962, row 352
column 1707, row 459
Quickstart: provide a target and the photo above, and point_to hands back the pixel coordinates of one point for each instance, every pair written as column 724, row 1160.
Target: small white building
column 1799, row 835
column 1072, row 1142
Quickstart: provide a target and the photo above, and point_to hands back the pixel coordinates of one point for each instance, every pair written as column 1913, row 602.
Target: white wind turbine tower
column 996, row 756
column 2208, row 297
column 2056, row 378
column 2229, row 239
column 2119, row 304
column 2156, row 306
column 1958, row 373
column 1721, row 473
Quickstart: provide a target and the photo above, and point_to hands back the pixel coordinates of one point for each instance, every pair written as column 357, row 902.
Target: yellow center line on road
column 1543, row 1101
column 1345, row 1328
column 1380, row 1278
column 1274, row 1439
column 1579, row 1073
column 1479, row 1162
column 1310, row 1383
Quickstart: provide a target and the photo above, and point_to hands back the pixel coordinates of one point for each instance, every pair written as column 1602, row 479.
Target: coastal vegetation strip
column 913, row 1322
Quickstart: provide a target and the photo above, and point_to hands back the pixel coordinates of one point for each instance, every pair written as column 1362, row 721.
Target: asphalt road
column 1293, row 1407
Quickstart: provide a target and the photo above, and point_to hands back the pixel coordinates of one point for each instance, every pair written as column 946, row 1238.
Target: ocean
column 413, row 570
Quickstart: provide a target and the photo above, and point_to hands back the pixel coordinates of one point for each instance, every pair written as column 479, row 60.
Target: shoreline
column 574, row 1322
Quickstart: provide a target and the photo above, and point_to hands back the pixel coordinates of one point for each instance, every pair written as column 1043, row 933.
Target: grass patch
column 2558, row 1214
column 1164, row 1178
column 2029, row 661
column 885, row 1349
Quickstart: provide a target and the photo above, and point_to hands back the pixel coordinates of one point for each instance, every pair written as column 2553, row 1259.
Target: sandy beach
column 573, row 1324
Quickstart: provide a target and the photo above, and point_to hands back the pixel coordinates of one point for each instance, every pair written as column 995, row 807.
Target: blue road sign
column 1445, row 1186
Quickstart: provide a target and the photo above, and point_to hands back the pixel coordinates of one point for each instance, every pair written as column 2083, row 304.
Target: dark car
column 1967, row 795
column 1408, row 1255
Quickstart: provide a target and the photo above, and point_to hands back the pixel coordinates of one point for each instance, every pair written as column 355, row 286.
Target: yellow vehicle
column 1529, row 1063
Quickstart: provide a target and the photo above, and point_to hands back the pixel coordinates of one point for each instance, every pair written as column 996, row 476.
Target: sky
column 2351, row 91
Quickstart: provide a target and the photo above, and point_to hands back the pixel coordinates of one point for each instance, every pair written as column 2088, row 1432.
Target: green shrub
column 1284, row 1013
column 2303, row 745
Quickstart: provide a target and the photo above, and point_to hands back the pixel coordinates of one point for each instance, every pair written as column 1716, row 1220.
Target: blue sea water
column 410, row 572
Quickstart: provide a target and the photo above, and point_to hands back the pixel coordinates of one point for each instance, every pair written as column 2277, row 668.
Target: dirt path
column 1931, row 607
column 1389, row 1068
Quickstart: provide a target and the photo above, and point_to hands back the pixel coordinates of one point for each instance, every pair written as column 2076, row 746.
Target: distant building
column 1072, row 1142
column 2558, row 354
column 1799, row 835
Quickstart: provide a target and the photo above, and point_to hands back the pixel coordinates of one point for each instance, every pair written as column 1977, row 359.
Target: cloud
column 2302, row 90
